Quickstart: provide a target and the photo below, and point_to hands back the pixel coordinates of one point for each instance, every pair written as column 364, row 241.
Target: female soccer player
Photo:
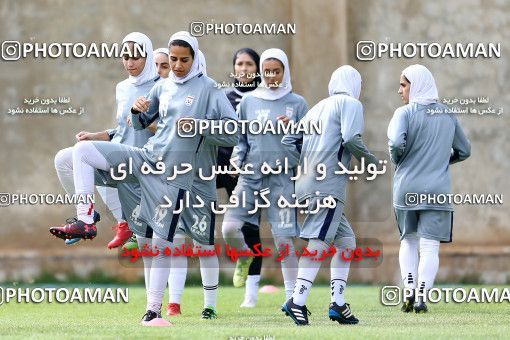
column 341, row 117
column 270, row 102
column 199, row 224
column 163, row 68
column 142, row 77
column 246, row 70
column 162, row 62
column 162, row 165
column 422, row 146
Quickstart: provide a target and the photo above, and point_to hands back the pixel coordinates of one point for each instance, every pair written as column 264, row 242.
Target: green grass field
column 53, row 320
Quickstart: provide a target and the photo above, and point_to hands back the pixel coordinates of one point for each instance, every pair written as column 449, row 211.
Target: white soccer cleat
column 249, row 303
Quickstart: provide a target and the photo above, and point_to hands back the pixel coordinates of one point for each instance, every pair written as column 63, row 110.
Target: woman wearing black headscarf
column 246, row 79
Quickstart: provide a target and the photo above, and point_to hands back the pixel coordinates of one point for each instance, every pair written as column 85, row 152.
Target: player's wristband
column 110, row 134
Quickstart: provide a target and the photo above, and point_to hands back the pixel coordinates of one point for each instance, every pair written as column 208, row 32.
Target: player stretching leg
column 142, row 77
column 193, row 95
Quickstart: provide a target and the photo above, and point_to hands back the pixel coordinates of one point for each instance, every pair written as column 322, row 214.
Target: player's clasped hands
column 84, row 135
column 141, row 104
column 284, row 119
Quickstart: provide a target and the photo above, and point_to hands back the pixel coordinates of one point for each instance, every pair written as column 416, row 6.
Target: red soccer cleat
column 173, row 309
column 122, row 235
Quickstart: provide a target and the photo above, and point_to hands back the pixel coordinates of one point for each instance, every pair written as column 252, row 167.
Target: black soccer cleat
column 150, row 315
column 420, row 307
column 209, row 313
column 408, row 305
column 96, row 217
column 78, row 229
column 299, row 314
column 61, row 232
column 342, row 314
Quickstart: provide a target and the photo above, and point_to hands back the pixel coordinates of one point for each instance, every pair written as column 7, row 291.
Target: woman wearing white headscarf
column 188, row 76
column 141, row 78
column 272, row 101
column 422, row 146
column 341, row 119
column 161, row 61
column 179, row 264
column 194, row 97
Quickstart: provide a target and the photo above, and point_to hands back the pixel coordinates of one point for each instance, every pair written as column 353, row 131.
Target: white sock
column 158, row 275
column 210, row 272
column 289, row 264
column 110, row 197
column 147, row 260
column 86, row 158
column 252, row 287
column 64, row 167
column 308, row 269
column 408, row 259
column 340, row 269
column 232, row 234
column 429, row 263
column 178, row 272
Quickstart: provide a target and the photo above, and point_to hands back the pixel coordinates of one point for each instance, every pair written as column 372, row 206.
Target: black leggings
column 251, row 235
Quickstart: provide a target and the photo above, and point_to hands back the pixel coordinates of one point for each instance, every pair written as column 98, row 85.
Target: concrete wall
column 327, row 33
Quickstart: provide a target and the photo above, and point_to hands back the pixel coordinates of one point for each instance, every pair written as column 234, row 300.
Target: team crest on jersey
column 289, row 111
column 189, row 100
column 262, row 115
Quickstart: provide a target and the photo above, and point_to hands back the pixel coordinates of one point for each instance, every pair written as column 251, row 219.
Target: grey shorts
column 198, row 222
column 283, row 221
column 328, row 224
column 154, row 188
column 432, row 224
column 129, row 196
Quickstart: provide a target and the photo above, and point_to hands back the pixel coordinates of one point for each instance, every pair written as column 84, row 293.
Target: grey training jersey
column 258, row 148
column 422, row 145
column 197, row 98
column 207, row 156
column 341, row 119
column 125, row 95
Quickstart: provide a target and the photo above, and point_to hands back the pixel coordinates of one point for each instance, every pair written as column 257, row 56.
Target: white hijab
column 163, row 50
column 423, row 86
column 262, row 91
column 345, row 79
column 201, row 61
column 149, row 70
column 197, row 66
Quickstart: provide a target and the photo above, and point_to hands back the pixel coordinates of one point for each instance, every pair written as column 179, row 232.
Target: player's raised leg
column 86, row 158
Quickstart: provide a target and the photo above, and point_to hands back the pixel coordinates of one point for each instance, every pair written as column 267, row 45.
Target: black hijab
column 256, row 58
